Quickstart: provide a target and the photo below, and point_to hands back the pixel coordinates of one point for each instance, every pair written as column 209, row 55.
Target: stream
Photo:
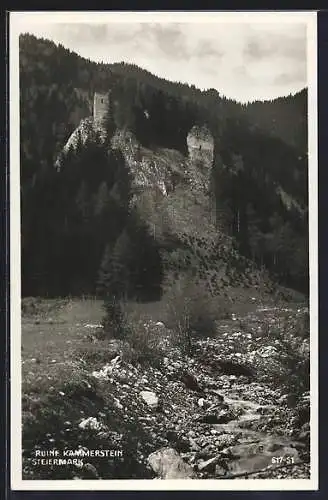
column 256, row 450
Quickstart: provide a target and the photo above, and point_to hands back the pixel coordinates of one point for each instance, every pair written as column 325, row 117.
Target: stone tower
column 200, row 144
column 100, row 107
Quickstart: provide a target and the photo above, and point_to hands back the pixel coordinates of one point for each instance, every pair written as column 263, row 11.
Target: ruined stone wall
column 100, row 107
column 200, row 139
column 200, row 144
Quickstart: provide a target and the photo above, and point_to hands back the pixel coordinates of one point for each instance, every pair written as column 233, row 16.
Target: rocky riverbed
column 217, row 413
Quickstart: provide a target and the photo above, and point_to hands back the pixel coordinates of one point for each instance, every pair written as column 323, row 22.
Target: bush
column 291, row 369
column 141, row 340
column 114, row 321
column 97, row 354
column 144, row 342
column 41, row 308
column 301, row 328
column 191, row 311
column 30, row 306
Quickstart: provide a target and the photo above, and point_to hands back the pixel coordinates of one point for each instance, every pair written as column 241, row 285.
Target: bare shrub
column 295, row 356
column 144, row 342
column 41, row 308
column 191, row 311
column 114, row 320
column 96, row 354
column 141, row 339
column 30, row 306
column 301, row 326
column 290, row 368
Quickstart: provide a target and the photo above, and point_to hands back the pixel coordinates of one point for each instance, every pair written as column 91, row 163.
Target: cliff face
column 289, row 202
column 88, row 130
column 161, row 168
column 200, row 144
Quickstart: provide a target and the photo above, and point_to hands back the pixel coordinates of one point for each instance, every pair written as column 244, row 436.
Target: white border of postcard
column 17, row 20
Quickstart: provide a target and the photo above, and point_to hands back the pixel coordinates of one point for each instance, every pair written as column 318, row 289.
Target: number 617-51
column 282, row 460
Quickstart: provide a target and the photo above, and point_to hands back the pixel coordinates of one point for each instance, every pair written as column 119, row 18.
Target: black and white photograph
column 163, row 187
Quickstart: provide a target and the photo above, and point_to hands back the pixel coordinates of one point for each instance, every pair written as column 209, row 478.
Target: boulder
column 224, row 441
column 304, row 435
column 91, row 423
column 215, row 393
column 220, row 471
column 221, row 417
column 303, row 414
column 149, row 398
column 108, row 369
column 193, row 445
column 180, row 444
column 89, row 471
column 210, row 418
column 208, row 465
column 283, row 399
column 167, row 464
column 224, row 416
column 190, row 382
column 232, row 368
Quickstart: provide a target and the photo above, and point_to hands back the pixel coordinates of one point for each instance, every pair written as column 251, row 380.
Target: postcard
column 163, row 230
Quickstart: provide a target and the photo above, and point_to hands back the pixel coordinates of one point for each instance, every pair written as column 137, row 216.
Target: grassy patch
column 143, row 341
column 58, row 392
column 51, row 418
column 191, row 310
column 46, row 343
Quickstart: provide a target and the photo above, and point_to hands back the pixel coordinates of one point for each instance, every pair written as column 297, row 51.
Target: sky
column 244, row 61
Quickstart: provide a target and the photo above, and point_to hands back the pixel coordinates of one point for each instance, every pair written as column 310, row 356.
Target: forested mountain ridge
column 79, row 221
column 45, row 65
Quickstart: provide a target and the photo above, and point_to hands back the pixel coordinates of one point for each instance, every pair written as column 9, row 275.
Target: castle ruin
column 200, row 144
column 100, row 107
column 200, row 139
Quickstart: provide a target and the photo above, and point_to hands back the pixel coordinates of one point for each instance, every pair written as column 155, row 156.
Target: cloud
column 170, row 40
column 245, row 61
column 206, row 48
column 292, row 77
column 288, row 42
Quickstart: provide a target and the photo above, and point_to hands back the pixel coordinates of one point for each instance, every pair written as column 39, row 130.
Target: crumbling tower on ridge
column 100, row 108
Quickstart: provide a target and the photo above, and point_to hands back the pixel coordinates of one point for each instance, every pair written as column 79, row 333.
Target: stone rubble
column 237, row 428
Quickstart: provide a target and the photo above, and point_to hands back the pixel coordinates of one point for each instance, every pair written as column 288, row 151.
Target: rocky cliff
column 161, row 168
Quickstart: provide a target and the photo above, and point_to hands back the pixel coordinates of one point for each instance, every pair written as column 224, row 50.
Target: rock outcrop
column 168, row 464
column 200, row 144
column 88, row 130
column 149, row 398
column 161, row 168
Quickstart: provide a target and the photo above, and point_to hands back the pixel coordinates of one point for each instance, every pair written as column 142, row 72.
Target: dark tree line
column 80, row 234
column 250, row 208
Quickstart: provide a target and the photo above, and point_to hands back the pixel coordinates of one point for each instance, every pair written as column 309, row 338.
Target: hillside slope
column 250, row 193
